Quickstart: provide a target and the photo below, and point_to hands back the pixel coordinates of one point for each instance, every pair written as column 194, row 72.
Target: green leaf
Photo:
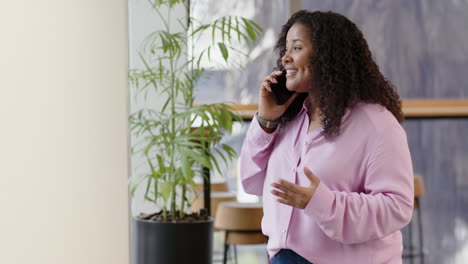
column 221, row 154
column 166, row 190
column 148, row 186
column 173, row 2
column 249, row 29
column 223, row 24
column 226, row 119
column 215, row 163
column 209, row 53
column 200, row 57
column 160, row 163
column 229, row 28
column 200, row 158
column 238, row 30
column 230, row 151
column 186, row 168
column 213, row 30
column 150, row 163
column 164, row 107
column 134, row 183
column 224, row 50
column 148, row 68
column 200, row 29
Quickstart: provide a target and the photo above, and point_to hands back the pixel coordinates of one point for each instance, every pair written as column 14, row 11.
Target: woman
column 335, row 173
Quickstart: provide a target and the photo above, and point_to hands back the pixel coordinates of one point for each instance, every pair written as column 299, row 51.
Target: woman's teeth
column 289, row 72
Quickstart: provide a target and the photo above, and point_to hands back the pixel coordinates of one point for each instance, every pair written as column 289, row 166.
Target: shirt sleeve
column 254, row 157
column 385, row 205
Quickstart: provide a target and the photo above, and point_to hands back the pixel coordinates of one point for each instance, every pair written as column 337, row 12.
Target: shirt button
column 284, row 231
column 266, row 141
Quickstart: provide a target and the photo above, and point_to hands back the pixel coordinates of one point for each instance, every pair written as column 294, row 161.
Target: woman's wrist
column 267, row 125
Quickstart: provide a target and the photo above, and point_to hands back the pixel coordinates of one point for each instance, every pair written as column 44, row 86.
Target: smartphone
column 279, row 92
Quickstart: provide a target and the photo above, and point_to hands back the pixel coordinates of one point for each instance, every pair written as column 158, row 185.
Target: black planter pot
column 172, row 243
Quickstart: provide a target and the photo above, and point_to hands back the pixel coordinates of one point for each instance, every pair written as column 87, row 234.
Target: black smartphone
column 279, row 92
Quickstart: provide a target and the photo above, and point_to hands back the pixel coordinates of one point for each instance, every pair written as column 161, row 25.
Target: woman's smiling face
column 296, row 59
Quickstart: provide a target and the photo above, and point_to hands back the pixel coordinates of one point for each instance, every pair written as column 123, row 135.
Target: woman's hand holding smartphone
column 274, row 97
column 280, row 93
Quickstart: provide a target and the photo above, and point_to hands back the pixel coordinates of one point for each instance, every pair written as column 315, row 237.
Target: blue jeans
column 287, row 256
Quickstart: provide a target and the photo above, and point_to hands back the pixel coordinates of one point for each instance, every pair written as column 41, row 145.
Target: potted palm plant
column 177, row 138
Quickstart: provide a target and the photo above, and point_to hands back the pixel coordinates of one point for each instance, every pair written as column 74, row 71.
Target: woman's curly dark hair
column 342, row 68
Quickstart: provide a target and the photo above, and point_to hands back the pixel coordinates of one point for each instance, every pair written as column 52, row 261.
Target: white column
column 63, row 132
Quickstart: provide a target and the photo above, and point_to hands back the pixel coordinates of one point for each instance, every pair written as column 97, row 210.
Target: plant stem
column 182, row 209
column 173, row 125
column 160, row 15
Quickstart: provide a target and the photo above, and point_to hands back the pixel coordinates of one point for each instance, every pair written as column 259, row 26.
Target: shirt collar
column 306, row 105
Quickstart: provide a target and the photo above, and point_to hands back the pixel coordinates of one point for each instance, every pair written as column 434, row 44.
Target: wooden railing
column 421, row 108
column 435, row 108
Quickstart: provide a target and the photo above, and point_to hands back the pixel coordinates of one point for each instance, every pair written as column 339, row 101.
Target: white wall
column 63, row 132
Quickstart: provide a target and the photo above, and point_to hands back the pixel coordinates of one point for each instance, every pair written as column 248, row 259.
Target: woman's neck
column 315, row 121
column 312, row 109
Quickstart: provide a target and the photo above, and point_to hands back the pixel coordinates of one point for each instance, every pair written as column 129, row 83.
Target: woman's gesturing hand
column 293, row 194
